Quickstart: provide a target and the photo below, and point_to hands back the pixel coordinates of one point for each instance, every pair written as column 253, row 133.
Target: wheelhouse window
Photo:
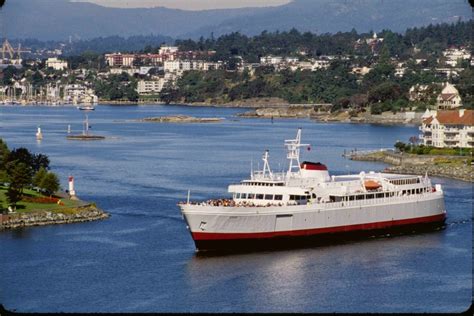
column 268, row 196
column 278, row 197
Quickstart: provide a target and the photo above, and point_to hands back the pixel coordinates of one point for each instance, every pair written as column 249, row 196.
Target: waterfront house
column 452, row 128
column 449, row 98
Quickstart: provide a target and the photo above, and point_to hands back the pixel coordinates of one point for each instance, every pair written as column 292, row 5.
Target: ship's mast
column 293, row 146
column 266, row 165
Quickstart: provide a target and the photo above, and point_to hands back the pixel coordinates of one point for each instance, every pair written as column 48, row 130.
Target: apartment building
column 452, row 128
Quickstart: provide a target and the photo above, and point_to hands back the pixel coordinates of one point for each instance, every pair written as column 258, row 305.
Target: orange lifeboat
column 371, row 185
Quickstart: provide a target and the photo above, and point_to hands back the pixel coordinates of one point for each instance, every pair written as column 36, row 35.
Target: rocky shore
column 85, row 213
column 298, row 111
column 454, row 167
column 181, row 119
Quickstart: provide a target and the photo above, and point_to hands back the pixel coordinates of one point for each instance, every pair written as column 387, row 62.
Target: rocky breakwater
column 181, row 119
column 455, row 167
column 85, row 213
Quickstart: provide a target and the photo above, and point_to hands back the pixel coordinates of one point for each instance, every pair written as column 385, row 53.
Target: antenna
column 293, row 147
column 251, row 169
column 266, row 165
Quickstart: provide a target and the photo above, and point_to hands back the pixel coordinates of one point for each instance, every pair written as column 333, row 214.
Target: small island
column 181, row 119
column 30, row 194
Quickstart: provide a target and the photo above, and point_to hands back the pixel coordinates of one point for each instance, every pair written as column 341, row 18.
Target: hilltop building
column 56, row 63
column 454, row 55
column 119, row 59
column 454, row 128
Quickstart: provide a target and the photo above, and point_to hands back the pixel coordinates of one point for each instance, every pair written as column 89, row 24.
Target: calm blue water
column 142, row 259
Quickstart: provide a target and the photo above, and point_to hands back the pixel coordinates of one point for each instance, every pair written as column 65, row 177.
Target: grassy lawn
column 27, row 207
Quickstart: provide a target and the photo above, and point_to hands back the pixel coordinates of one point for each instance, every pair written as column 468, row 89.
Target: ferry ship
column 306, row 203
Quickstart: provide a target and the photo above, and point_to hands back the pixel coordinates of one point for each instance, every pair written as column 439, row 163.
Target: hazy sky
column 188, row 4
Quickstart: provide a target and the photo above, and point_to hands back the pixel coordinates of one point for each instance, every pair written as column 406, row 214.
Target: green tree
column 39, row 176
column 19, row 176
column 4, row 152
column 49, row 183
column 13, row 196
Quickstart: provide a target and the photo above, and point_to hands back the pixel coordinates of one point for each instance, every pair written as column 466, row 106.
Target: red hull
column 209, row 241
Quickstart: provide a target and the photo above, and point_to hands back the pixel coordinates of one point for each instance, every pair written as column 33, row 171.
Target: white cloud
column 188, row 4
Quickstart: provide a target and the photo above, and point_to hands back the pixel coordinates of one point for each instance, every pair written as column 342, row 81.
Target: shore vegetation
column 21, row 172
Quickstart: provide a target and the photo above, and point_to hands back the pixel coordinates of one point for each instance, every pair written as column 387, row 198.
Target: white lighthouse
column 72, row 192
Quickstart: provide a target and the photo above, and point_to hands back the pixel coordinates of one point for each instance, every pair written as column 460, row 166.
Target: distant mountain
column 59, row 19
column 331, row 16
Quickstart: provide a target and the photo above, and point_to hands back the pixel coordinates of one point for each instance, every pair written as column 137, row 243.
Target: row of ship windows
column 375, row 195
column 405, row 181
column 264, row 184
column 277, row 197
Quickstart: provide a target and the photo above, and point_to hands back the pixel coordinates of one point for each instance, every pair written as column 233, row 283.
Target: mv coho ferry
column 307, row 203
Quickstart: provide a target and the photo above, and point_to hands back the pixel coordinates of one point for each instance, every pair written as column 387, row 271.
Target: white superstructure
column 306, row 201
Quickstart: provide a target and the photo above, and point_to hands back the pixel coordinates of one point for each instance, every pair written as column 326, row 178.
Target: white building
column 180, row 65
column 320, row 64
column 77, row 93
column 419, row 92
column 302, row 65
column 362, row 71
column 119, row 59
column 56, row 64
column 119, row 70
column 176, row 65
column 449, row 98
column 453, row 55
column 271, row 60
column 168, row 50
column 150, row 86
column 205, row 65
column 453, row 128
column 400, row 70
column 374, row 39
column 291, row 60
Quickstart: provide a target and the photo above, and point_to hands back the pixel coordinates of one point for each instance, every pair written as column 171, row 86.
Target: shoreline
column 79, row 214
column 432, row 165
column 270, row 109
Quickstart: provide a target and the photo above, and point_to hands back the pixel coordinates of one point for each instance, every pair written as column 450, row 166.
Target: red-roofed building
column 453, row 128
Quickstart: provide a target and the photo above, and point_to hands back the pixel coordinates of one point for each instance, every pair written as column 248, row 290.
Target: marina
column 142, row 258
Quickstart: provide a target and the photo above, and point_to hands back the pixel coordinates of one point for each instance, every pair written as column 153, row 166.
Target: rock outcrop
column 85, row 213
